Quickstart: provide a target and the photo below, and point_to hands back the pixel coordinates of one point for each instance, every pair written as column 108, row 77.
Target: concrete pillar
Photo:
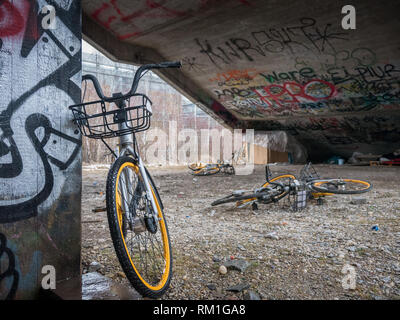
column 40, row 148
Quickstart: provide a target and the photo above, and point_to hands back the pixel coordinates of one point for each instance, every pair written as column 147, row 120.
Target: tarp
column 282, row 142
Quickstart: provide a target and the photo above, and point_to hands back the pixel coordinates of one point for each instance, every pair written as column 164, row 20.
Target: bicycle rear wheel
column 141, row 242
column 284, row 179
column 341, row 186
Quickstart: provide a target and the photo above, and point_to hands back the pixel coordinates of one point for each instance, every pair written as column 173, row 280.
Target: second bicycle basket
column 115, row 117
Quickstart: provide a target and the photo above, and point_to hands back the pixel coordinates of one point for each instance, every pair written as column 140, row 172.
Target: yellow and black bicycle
column 135, row 213
column 200, row 169
column 309, row 185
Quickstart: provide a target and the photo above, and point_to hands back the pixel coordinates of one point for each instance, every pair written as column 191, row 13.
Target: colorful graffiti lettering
column 292, row 92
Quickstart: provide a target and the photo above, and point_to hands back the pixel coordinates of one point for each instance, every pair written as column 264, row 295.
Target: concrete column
column 40, row 148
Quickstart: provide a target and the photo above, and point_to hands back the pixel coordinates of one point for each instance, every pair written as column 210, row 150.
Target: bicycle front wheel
column 341, row 186
column 141, row 241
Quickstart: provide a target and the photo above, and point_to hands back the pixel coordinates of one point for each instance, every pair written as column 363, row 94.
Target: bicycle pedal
column 99, row 209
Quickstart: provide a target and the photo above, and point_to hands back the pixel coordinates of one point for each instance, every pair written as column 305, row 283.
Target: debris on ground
column 306, row 262
column 98, row 287
column 237, row 264
column 239, row 287
column 251, row 295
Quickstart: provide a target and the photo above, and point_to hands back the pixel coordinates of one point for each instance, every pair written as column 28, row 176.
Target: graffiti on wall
column 40, row 73
column 9, row 272
column 305, row 91
column 19, row 114
column 308, row 35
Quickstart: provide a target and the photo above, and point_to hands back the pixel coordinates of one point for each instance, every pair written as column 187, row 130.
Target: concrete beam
column 128, row 53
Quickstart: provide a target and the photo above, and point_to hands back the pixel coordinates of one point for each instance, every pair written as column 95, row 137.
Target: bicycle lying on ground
column 200, row 169
column 309, row 185
column 134, row 208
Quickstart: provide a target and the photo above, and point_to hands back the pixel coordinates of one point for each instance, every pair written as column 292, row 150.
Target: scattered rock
column 211, row 286
column 251, row 295
column 239, row 287
column 237, row 264
column 216, row 258
column 240, row 247
column 94, row 266
column 222, row 270
column 271, row 235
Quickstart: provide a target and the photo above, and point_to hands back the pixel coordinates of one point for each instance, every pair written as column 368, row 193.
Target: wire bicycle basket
column 308, row 173
column 103, row 119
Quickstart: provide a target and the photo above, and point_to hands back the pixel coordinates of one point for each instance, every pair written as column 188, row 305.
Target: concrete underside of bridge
column 270, row 65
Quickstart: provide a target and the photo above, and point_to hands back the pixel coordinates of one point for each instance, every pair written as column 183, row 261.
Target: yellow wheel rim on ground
column 162, row 227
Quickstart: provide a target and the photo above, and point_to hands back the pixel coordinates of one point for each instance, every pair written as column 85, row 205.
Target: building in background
column 168, row 104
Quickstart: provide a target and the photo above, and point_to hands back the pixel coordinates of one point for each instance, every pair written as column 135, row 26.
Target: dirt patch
column 303, row 259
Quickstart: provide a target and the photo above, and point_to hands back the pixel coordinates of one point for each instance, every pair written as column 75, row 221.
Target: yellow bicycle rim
column 163, row 229
column 365, row 183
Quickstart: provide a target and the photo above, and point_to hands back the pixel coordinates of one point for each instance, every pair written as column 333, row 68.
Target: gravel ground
column 290, row 255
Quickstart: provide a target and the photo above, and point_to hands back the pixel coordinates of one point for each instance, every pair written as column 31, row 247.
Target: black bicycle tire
column 121, row 253
column 338, row 191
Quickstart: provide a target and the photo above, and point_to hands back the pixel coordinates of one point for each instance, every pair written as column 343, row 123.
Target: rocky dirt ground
column 285, row 254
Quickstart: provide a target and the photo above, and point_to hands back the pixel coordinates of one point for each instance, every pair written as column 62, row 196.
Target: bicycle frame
column 128, row 145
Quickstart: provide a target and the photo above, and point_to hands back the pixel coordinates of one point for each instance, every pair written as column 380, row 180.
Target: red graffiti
column 110, row 12
column 292, row 92
column 11, row 21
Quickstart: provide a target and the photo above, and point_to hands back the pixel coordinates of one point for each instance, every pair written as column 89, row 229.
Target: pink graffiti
column 293, row 92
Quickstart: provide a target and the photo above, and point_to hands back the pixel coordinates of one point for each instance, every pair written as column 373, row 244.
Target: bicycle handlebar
column 139, row 71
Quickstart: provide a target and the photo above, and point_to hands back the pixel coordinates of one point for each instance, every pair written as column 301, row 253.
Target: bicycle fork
column 126, row 145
